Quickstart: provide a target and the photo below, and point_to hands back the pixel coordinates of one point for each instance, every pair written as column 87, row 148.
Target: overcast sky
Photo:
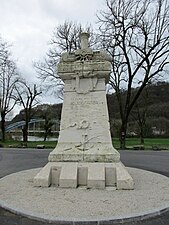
column 28, row 25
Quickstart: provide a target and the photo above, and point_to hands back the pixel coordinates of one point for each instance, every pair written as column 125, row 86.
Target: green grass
column 162, row 143
column 48, row 144
column 30, row 144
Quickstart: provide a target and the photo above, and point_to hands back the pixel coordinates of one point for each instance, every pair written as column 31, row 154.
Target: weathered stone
column 68, row 175
column 96, row 176
column 85, row 131
column 43, row 179
column 124, row 180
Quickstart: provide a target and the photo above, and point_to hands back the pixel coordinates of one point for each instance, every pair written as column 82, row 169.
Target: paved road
column 14, row 160
column 156, row 161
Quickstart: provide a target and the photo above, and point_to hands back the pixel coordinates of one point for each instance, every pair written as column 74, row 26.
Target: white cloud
column 28, row 25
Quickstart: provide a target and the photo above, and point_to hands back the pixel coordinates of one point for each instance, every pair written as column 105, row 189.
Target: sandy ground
column 151, row 194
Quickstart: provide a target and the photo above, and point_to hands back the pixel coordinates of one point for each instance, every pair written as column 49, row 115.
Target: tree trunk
column 45, row 136
column 25, row 133
column 3, row 126
column 123, row 135
column 141, row 135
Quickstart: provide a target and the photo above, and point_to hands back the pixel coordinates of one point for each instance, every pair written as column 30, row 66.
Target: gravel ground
column 151, row 194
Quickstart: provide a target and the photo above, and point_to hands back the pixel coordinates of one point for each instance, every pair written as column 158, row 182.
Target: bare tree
column 65, row 38
column 8, row 78
column 136, row 35
column 47, row 125
column 139, row 112
column 28, row 98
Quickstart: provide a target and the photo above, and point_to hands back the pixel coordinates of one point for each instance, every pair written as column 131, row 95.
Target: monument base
column 96, row 175
column 22, row 203
column 75, row 152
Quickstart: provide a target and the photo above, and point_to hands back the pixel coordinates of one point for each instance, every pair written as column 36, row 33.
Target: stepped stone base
column 84, row 174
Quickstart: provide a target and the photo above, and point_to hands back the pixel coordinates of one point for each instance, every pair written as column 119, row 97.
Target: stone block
column 56, row 175
column 82, row 175
column 110, row 173
column 138, row 147
column 96, row 176
column 68, row 175
column 43, row 178
column 124, row 180
column 40, row 146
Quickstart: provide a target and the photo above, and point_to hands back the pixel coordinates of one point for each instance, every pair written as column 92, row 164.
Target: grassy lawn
column 30, row 144
column 161, row 143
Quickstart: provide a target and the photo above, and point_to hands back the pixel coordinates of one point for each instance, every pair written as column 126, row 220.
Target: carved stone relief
column 84, row 86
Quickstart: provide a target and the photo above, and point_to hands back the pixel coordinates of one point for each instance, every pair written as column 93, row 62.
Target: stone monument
column 84, row 155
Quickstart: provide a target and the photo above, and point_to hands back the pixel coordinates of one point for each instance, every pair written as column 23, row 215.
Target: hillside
column 41, row 111
column 153, row 104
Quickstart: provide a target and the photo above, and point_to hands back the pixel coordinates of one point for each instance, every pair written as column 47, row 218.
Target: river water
column 34, row 138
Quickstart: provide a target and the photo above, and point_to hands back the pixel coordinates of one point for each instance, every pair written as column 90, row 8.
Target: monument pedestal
column 84, row 151
column 22, row 203
column 84, row 174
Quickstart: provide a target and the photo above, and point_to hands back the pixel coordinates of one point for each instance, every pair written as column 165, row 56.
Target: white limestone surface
column 151, row 193
column 84, row 131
